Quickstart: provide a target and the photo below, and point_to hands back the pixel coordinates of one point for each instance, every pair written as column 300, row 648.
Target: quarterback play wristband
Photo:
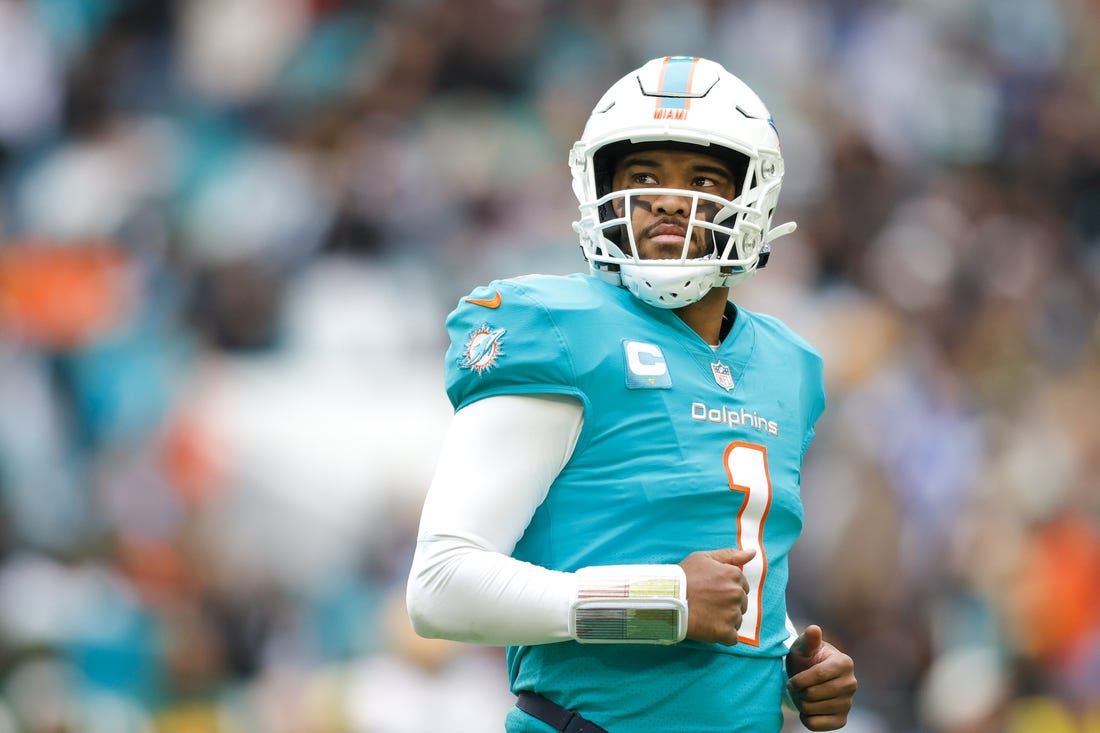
column 629, row 604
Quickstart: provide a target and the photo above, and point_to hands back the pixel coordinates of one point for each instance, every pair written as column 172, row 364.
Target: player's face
column 660, row 221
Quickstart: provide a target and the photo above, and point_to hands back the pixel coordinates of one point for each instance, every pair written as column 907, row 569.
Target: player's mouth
column 665, row 234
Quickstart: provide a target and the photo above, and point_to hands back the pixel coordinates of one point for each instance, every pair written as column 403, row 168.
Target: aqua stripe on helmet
column 676, row 80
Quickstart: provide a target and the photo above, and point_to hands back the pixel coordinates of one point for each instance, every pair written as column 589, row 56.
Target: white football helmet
column 679, row 102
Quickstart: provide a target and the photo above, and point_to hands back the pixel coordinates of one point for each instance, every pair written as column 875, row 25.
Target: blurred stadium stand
column 230, row 231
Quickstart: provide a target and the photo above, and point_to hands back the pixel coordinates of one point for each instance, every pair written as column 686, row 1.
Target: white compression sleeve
column 498, row 459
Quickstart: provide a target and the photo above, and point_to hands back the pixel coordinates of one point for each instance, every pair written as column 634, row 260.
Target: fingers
column 732, row 556
column 808, row 651
column 823, row 693
column 824, row 722
column 728, row 556
column 718, row 594
column 826, row 707
column 842, row 688
column 808, row 642
column 832, row 664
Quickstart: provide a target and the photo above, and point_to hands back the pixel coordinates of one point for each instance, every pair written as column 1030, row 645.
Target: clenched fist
column 822, row 681
column 717, row 594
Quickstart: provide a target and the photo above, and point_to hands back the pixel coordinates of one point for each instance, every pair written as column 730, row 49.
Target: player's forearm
column 462, row 591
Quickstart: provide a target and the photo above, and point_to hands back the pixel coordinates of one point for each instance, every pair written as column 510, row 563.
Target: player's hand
column 717, row 594
column 822, row 681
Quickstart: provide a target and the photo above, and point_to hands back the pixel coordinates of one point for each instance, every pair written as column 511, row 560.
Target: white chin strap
column 669, row 286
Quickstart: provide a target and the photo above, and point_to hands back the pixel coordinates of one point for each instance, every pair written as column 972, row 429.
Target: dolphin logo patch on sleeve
column 483, row 348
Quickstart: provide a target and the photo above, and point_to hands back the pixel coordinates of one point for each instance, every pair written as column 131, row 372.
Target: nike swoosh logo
column 493, row 302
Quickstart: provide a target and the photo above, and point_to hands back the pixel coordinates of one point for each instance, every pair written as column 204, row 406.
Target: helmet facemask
column 685, row 276
column 723, row 239
column 724, row 120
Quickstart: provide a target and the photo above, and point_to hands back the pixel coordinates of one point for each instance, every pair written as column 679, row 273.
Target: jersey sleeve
column 800, row 354
column 813, row 394
column 504, row 340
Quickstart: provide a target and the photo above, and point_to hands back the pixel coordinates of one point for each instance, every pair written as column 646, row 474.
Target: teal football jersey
column 684, row 447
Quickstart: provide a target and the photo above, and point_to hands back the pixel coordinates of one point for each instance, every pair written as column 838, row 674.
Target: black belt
column 554, row 715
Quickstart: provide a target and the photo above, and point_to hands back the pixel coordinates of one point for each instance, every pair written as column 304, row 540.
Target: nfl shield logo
column 722, row 375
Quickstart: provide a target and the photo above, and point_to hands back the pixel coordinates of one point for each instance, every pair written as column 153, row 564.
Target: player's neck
column 705, row 316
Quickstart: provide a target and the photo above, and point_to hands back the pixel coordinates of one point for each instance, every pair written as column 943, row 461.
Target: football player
column 619, row 489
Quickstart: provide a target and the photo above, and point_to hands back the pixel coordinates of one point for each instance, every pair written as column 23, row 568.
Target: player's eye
column 644, row 179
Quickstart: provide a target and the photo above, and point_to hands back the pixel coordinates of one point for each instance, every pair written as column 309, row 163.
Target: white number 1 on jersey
column 747, row 469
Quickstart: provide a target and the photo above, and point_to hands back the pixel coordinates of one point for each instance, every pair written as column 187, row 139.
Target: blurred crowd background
column 230, row 231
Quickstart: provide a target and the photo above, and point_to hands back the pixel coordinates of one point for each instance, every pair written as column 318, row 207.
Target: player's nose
column 672, row 204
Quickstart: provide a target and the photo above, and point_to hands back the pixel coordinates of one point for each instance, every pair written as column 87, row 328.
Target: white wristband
column 629, row 604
